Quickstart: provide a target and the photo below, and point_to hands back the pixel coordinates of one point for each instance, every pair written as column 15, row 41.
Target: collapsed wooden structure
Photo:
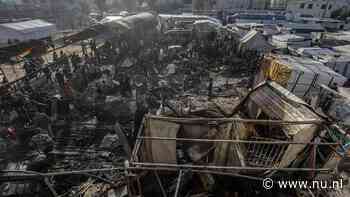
column 270, row 131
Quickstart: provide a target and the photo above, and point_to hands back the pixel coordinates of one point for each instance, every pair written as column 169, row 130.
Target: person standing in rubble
column 126, row 86
column 67, row 89
column 334, row 86
column 66, row 70
column 27, row 67
column 75, row 59
column 47, row 73
column 83, row 47
column 42, row 121
column 62, row 55
column 86, row 59
column 98, row 56
column 54, row 56
column 65, row 64
column 93, row 46
column 60, row 79
column 210, row 89
column 27, row 87
column 100, row 96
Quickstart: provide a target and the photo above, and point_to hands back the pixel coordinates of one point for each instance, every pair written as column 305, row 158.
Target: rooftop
column 27, row 25
column 323, row 54
column 288, row 37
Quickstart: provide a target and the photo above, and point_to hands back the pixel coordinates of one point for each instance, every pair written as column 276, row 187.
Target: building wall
column 230, row 4
column 316, row 8
column 64, row 13
column 201, row 5
column 170, row 1
column 243, row 4
column 259, row 4
column 278, row 4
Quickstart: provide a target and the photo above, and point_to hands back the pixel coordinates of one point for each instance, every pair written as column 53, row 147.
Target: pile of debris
column 154, row 113
column 269, row 133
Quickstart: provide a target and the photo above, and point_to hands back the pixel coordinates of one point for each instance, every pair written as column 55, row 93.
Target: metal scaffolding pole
column 160, row 184
column 178, row 184
column 228, row 120
column 238, row 141
column 247, row 168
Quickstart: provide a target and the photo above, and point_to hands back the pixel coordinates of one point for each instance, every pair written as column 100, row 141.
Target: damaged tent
column 266, row 131
column 301, row 76
column 269, row 131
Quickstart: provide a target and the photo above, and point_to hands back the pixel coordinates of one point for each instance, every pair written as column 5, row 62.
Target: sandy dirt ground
column 16, row 71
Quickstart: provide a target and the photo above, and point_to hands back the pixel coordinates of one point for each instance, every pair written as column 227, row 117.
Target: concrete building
column 66, row 14
column 259, row 18
column 202, row 5
column 339, row 62
column 27, row 30
column 13, row 9
column 278, row 4
column 230, row 4
column 27, row 2
column 243, row 4
column 315, row 8
column 170, row 1
column 254, row 41
column 259, row 4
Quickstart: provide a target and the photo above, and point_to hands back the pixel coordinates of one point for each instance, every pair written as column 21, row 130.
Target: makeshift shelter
column 339, row 62
column 301, row 76
column 26, row 30
column 254, row 40
column 265, row 133
column 289, row 40
column 272, row 101
column 336, row 104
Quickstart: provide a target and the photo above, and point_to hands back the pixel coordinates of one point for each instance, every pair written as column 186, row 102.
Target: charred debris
column 142, row 107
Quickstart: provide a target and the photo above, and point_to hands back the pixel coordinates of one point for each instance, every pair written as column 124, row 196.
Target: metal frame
column 136, row 167
column 135, row 160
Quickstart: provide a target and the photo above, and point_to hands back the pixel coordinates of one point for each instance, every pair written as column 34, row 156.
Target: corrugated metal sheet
column 27, row 30
column 27, row 26
column 298, row 74
column 279, row 104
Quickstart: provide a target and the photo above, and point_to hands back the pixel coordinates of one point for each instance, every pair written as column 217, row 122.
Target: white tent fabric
column 26, row 30
column 254, row 40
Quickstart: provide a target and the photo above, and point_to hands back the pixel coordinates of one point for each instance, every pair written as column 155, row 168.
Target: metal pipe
column 178, row 183
column 157, row 169
column 79, row 172
column 223, row 120
column 49, row 185
column 188, row 166
column 160, row 184
column 138, row 141
column 237, row 141
column 296, row 82
column 32, row 174
column 314, row 80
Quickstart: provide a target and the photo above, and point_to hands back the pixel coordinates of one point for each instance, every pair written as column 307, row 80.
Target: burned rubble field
column 143, row 111
column 82, row 112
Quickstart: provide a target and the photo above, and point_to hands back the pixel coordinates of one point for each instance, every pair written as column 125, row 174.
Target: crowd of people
column 113, row 82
